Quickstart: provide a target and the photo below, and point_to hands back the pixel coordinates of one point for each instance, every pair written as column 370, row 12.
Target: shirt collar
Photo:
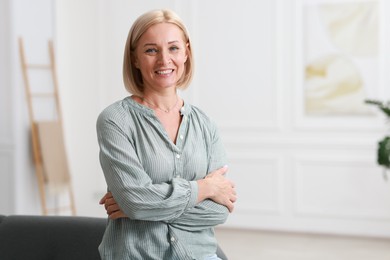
column 184, row 110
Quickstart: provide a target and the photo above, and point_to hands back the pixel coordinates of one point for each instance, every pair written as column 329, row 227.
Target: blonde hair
column 132, row 77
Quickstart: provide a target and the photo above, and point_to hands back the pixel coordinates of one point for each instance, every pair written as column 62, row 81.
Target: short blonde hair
column 132, row 77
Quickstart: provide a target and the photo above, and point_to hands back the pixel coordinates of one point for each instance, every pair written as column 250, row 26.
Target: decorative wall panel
column 258, row 183
column 341, row 187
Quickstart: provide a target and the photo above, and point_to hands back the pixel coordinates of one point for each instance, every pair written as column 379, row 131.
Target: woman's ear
column 187, row 51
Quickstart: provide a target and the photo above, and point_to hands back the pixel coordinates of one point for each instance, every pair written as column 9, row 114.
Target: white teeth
column 163, row 72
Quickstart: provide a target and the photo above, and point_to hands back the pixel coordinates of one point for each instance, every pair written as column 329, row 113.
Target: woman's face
column 160, row 55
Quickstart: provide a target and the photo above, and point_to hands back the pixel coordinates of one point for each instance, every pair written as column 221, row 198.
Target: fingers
column 223, row 170
column 109, row 203
column 233, row 196
column 230, row 206
column 220, row 171
column 117, row 214
column 232, row 199
column 105, row 197
column 101, row 201
column 112, row 208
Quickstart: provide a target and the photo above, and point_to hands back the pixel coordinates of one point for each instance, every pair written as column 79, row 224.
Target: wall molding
column 264, row 193
column 343, row 200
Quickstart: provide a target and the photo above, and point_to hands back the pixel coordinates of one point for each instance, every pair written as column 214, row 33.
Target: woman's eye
column 151, row 51
column 174, row 48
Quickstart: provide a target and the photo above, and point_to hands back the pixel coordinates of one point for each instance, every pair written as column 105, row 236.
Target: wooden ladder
column 49, row 156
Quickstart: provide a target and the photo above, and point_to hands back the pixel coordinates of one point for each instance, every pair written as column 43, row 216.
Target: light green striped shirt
column 153, row 181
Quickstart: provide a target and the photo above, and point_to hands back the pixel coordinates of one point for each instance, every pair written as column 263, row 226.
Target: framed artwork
column 338, row 58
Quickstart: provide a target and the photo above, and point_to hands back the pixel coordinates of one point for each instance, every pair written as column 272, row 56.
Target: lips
column 164, row 72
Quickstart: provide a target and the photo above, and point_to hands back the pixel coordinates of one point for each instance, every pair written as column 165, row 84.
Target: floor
column 264, row 245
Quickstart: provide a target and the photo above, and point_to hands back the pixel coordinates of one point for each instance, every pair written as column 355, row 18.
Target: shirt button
column 177, row 156
column 177, row 176
column 172, row 239
column 181, row 136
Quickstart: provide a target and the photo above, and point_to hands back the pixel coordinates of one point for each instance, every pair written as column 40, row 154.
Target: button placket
column 179, row 146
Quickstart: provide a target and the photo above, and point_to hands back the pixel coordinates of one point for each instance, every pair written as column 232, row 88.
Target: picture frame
column 335, row 67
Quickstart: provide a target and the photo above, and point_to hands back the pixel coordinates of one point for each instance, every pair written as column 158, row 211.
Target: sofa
column 53, row 237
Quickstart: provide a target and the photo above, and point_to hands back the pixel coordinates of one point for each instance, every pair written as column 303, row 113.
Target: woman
column 162, row 158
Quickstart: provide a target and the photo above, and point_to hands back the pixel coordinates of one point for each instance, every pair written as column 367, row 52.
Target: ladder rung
column 42, row 94
column 38, row 66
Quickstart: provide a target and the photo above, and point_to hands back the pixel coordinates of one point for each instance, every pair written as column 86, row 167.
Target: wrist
column 204, row 189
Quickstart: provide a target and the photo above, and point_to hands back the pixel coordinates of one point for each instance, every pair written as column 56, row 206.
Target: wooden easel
column 43, row 150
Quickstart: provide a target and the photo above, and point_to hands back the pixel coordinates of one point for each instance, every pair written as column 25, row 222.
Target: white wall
column 33, row 21
column 78, row 56
column 292, row 172
column 6, row 167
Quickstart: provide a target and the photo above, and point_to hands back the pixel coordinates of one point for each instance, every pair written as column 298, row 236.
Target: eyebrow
column 154, row 44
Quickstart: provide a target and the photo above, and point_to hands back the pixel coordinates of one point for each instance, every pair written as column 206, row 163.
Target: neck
column 165, row 104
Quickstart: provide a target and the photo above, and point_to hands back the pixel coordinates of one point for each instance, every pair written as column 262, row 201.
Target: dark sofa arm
column 53, row 238
column 50, row 237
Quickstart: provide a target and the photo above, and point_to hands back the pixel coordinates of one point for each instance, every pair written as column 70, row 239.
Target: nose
column 164, row 57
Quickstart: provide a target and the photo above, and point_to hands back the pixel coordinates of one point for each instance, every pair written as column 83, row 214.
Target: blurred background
column 285, row 80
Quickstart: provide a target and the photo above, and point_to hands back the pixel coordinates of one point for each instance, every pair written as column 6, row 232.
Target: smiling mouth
column 164, row 72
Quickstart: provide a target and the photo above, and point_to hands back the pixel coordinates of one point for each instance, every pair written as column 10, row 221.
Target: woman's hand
column 112, row 208
column 217, row 187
